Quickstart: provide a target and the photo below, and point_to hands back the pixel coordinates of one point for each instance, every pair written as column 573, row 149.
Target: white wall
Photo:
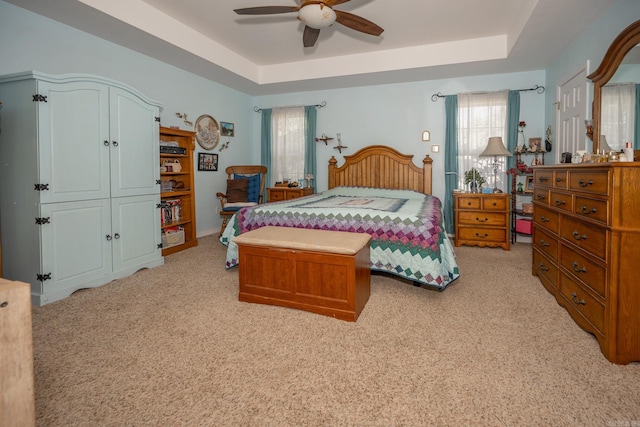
column 395, row 115
column 589, row 49
column 32, row 42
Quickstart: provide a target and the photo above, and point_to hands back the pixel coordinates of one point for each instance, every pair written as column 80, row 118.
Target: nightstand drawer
column 494, row 203
column 482, row 234
column 276, row 195
column 469, row 202
column 482, row 218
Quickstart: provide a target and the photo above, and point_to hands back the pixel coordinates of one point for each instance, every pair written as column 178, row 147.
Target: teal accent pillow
column 253, row 187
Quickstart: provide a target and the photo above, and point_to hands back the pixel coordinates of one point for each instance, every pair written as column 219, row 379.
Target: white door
column 135, row 145
column 73, row 125
column 75, row 246
column 136, row 231
column 572, row 111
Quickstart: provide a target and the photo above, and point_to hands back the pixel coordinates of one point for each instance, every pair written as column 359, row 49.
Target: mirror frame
column 626, row 40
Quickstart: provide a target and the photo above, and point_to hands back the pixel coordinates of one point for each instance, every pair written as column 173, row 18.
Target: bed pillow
column 253, row 186
column 237, row 190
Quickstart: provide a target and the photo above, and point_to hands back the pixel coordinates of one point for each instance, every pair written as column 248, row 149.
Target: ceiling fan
column 317, row 14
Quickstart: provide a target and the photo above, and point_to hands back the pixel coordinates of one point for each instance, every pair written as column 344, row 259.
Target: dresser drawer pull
column 540, row 196
column 559, row 202
column 482, row 237
column 578, row 270
column 543, row 179
column 542, row 267
column 482, row 220
column 587, row 211
column 544, row 219
column 581, row 183
column 577, row 236
column 558, row 179
column 575, row 299
column 543, row 243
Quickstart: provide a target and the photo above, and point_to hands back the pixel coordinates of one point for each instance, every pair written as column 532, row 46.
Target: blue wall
column 393, row 115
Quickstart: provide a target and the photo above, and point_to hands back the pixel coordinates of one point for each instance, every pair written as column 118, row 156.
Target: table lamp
column 495, row 148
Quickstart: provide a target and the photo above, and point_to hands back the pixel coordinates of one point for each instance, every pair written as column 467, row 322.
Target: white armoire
column 79, row 182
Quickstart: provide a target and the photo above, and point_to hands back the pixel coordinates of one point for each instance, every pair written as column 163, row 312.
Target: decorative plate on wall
column 207, row 132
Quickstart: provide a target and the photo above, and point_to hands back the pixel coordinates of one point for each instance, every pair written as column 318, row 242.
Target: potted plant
column 474, row 179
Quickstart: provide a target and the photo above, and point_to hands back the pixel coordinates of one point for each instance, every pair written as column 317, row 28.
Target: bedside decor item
column 474, row 179
column 495, row 148
column 207, row 132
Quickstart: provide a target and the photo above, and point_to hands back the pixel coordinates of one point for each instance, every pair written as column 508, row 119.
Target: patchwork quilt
column 406, row 227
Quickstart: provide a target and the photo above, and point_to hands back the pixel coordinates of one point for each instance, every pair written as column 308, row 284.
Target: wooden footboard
column 380, row 166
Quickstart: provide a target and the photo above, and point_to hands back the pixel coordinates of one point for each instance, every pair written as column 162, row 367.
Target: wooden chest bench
column 324, row 272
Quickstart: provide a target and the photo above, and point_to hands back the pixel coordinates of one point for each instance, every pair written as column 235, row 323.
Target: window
column 481, row 116
column 287, row 143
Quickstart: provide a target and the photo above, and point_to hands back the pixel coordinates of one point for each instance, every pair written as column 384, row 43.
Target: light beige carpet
column 172, row 346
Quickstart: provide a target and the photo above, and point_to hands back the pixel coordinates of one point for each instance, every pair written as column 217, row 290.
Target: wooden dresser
column 586, row 247
column 482, row 219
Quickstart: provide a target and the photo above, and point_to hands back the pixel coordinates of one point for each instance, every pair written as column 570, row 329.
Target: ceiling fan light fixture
column 317, row 16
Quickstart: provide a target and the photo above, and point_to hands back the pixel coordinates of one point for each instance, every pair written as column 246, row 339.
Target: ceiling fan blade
column 357, row 23
column 310, row 36
column 336, row 2
column 266, row 10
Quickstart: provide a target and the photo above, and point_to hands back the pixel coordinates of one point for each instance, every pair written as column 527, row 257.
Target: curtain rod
column 537, row 88
column 322, row 104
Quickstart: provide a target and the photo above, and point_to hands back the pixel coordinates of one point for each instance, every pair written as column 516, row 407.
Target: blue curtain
column 636, row 137
column 265, row 146
column 513, row 117
column 310, row 115
column 450, row 159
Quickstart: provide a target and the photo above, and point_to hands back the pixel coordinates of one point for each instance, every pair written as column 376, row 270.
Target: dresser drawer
column 561, row 201
column 469, row 202
column 541, row 195
column 591, row 238
column 494, row 203
column 560, row 180
column 546, row 218
column 592, row 208
column 542, row 266
column 479, row 234
column 543, row 177
column 482, row 218
column 545, row 243
column 580, row 302
column 594, row 182
column 589, row 272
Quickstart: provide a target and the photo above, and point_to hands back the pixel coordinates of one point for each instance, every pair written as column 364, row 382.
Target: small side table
column 482, row 219
column 278, row 194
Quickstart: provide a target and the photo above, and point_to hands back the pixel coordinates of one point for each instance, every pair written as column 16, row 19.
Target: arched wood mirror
column 625, row 49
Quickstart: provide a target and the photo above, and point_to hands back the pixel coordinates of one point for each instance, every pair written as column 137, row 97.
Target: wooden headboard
column 380, row 166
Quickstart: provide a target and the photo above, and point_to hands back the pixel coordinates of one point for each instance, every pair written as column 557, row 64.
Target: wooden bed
column 379, row 166
column 377, row 191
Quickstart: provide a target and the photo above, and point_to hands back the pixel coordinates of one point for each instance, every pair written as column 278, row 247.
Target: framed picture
column 536, row 143
column 226, row 129
column 207, row 132
column 207, row 162
column 528, row 187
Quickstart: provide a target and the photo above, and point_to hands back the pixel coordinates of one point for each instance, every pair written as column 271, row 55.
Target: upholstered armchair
column 245, row 187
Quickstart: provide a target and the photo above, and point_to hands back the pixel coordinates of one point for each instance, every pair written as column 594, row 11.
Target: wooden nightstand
column 482, row 219
column 278, row 194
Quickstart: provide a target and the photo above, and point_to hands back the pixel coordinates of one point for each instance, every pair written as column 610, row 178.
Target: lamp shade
column 495, row 147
